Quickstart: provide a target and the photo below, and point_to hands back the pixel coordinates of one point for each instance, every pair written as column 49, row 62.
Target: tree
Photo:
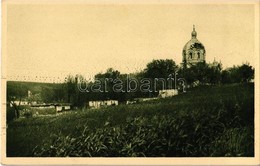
column 80, row 96
column 106, row 80
column 196, row 73
column 71, row 87
column 202, row 73
column 214, row 74
column 246, row 73
column 160, row 69
column 15, row 92
column 74, row 95
column 238, row 74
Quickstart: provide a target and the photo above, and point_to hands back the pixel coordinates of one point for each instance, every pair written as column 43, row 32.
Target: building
column 167, row 93
column 98, row 104
column 193, row 51
column 215, row 64
column 19, row 103
column 57, row 106
column 62, row 107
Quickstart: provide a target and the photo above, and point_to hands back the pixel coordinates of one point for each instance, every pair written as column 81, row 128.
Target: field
column 206, row 121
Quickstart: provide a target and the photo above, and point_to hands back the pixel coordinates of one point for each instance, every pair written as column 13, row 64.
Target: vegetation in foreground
column 207, row 121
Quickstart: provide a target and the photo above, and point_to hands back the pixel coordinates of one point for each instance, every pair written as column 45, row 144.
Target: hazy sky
column 57, row 40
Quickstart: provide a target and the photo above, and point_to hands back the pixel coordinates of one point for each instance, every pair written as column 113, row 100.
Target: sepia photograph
column 130, row 82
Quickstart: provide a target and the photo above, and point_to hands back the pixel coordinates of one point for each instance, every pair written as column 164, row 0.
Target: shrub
column 10, row 114
column 27, row 113
column 235, row 142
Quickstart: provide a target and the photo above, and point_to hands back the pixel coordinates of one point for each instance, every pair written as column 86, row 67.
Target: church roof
column 193, row 42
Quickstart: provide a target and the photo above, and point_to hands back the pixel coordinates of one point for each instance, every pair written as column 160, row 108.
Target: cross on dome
column 193, row 33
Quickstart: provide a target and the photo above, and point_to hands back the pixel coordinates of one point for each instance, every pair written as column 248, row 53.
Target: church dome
column 193, row 43
column 193, row 51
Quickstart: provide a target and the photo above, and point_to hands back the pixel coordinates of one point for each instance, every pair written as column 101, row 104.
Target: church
column 193, row 51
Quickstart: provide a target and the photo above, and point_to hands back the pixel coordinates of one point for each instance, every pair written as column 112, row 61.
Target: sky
column 47, row 42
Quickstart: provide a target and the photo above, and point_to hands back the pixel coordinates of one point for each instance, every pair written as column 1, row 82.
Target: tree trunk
column 16, row 110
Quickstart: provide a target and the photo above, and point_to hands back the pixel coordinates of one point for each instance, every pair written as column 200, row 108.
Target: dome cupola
column 193, row 51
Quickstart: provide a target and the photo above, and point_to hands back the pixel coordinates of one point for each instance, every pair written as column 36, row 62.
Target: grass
column 27, row 112
column 206, row 121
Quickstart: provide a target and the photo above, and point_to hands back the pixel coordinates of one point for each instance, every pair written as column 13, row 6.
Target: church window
column 190, row 55
column 198, row 55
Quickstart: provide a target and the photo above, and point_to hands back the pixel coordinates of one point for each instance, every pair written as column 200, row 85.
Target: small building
column 33, row 102
column 57, row 106
column 138, row 100
column 167, row 93
column 19, row 103
column 62, row 107
column 98, row 104
column 131, row 102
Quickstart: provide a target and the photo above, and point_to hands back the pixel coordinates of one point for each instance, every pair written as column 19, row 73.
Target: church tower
column 193, row 51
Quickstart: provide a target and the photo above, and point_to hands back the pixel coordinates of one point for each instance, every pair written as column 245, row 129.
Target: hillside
column 40, row 92
column 34, row 87
column 205, row 121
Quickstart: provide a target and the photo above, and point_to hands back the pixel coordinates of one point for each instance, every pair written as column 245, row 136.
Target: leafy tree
column 159, row 69
column 106, row 80
column 202, row 73
column 238, row 74
column 74, row 95
column 214, row 74
column 71, row 87
column 15, row 92
column 246, row 73
column 50, row 94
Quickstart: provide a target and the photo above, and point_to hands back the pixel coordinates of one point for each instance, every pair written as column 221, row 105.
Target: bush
column 194, row 134
column 10, row 114
column 238, row 74
column 234, row 142
column 27, row 113
column 44, row 111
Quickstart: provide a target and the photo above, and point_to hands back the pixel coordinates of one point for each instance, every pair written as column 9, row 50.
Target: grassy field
column 205, row 121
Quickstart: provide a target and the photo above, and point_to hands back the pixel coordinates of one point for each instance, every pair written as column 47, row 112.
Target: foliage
column 41, row 92
column 234, row 142
column 207, row 121
column 41, row 111
column 202, row 73
column 27, row 113
column 15, row 92
column 10, row 114
column 238, row 74
column 199, row 74
column 71, row 82
column 160, row 68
